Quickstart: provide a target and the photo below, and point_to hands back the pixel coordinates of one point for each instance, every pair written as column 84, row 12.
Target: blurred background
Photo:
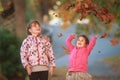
column 57, row 23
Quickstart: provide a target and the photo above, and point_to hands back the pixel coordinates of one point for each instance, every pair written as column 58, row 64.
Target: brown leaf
column 60, row 35
column 67, row 51
column 84, row 15
column 114, row 42
column 78, row 8
column 86, row 7
column 110, row 17
column 99, row 51
column 105, row 35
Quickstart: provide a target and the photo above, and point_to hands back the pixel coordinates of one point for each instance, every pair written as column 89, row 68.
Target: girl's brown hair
column 30, row 24
column 85, row 37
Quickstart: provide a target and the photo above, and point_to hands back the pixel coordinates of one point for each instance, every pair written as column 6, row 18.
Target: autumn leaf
column 67, row 51
column 114, row 42
column 110, row 17
column 99, row 51
column 83, row 16
column 105, row 35
column 86, row 7
column 60, row 35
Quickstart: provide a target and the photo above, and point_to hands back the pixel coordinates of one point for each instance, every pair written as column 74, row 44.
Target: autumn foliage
column 86, row 7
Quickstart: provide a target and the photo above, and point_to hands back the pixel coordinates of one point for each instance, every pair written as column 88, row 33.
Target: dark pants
column 41, row 75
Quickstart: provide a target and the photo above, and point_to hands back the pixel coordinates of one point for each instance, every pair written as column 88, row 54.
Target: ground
column 60, row 72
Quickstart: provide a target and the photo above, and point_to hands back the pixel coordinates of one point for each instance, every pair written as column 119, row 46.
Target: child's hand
column 96, row 36
column 28, row 68
column 51, row 71
column 47, row 38
column 74, row 35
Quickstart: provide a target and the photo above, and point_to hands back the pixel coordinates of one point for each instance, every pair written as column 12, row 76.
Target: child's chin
column 80, row 46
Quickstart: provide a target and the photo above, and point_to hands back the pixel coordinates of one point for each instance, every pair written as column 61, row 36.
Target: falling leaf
column 114, row 42
column 105, row 35
column 60, row 35
column 67, row 51
column 99, row 51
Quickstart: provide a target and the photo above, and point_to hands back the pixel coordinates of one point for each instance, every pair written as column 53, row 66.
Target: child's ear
column 29, row 30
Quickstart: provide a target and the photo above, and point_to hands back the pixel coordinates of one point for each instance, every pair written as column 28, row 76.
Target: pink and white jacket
column 78, row 59
column 36, row 51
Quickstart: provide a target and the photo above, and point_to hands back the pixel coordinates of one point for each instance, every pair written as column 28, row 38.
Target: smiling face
column 35, row 29
column 82, row 41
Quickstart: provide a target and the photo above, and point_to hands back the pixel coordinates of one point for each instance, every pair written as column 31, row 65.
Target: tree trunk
column 20, row 17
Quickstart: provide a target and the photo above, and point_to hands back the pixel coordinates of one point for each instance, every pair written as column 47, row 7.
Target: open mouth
column 79, row 43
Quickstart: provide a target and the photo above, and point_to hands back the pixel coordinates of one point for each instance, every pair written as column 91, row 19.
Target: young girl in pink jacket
column 36, row 53
column 78, row 59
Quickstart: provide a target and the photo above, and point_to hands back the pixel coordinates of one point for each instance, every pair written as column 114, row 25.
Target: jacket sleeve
column 50, row 54
column 69, row 42
column 24, row 53
column 91, row 44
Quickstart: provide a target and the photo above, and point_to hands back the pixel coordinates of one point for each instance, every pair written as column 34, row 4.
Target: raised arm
column 92, row 43
column 69, row 41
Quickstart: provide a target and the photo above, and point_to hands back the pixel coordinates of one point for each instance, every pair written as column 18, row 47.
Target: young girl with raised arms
column 78, row 58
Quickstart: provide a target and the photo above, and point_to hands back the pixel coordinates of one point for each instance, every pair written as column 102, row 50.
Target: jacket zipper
column 37, row 51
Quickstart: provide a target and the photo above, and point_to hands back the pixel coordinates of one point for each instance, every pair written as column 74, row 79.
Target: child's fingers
column 47, row 38
column 96, row 36
column 51, row 71
column 74, row 35
column 29, row 71
column 28, row 68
